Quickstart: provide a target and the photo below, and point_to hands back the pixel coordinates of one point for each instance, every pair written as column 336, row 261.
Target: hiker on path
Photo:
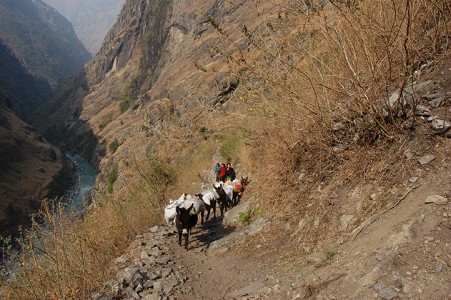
column 217, row 168
column 230, row 172
column 222, row 173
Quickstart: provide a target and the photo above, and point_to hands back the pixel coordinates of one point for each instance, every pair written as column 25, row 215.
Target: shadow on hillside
column 59, row 119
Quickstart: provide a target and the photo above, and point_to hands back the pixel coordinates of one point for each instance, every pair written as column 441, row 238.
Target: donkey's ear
column 191, row 207
column 177, row 209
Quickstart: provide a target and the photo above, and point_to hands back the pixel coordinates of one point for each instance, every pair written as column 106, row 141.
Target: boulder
column 436, row 199
column 440, row 124
column 127, row 274
column 231, row 216
column 426, row 159
column 385, row 292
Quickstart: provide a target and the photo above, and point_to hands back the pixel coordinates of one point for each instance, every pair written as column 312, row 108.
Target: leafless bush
column 317, row 78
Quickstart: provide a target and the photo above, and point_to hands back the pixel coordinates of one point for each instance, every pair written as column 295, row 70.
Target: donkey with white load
column 210, row 198
column 184, row 212
column 184, row 201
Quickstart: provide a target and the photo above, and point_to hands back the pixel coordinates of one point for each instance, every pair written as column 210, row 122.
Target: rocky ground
column 402, row 253
column 155, row 267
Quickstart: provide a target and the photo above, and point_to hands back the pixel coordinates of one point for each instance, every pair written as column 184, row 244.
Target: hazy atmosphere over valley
column 216, row 149
column 91, row 19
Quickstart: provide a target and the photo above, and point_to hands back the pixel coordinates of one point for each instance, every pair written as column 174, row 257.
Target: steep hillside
column 336, row 111
column 149, row 72
column 91, row 19
column 55, row 53
column 25, row 91
column 28, row 164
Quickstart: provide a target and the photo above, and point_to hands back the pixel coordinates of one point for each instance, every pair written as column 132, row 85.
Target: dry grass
column 315, row 83
column 317, row 80
column 67, row 257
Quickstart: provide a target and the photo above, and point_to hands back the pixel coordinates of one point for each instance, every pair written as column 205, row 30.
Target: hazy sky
column 91, row 18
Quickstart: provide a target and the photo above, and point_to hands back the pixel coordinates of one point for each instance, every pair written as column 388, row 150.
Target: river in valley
column 85, row 178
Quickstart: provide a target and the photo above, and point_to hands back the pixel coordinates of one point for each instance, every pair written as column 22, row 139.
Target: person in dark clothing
column 222, row 173
column 230, row 172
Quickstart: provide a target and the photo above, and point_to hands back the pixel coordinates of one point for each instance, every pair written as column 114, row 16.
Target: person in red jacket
column 222, row 172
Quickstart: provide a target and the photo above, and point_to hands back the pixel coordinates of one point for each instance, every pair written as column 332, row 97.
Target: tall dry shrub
column 317, row 78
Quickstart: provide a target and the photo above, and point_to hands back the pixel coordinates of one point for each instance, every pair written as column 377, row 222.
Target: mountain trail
column 402, row 252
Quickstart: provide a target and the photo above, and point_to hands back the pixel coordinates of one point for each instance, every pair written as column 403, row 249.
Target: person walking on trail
column 222, row 173
column 217, row 168
column 230, row 172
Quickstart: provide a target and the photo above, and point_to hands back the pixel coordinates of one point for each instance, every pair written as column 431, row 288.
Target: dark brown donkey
column 184, row 221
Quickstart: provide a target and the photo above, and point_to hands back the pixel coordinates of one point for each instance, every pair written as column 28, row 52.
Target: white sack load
column 209, row 195
column 228, row 189
column 199, row 205
column 170, row 211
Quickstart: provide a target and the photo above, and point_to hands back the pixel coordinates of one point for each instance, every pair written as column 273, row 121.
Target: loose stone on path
column 426, row 159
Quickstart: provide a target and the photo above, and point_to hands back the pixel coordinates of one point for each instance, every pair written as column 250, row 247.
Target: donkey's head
column 245, row 181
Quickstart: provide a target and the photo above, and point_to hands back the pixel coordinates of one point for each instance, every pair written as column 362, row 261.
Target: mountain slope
column 91, row 19
column 27, row 165
column 151, row 58
column 55, row 53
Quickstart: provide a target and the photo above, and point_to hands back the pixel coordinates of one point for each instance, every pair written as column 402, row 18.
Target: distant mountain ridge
column 91, row 19
column 43, row 41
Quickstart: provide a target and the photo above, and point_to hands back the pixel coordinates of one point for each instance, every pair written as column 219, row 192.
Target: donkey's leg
column 202, row 218
column 186, row 241
column 221, row 208
column 208, row 212
column 180, row 237
column 213, row 204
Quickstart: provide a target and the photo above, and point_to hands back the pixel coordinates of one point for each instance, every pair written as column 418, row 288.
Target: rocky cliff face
column 42, row 39
column 156, row 78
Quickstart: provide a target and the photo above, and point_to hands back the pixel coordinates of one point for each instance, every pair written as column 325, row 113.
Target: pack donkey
column 184, row 221
column 238, row 189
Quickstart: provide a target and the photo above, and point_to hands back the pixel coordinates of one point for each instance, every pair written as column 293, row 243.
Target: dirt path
column 223, row 273
column 156, row 267
column 403, row 253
